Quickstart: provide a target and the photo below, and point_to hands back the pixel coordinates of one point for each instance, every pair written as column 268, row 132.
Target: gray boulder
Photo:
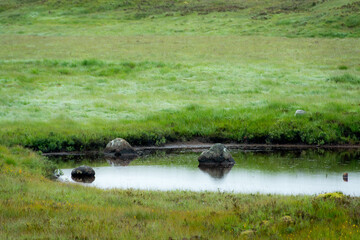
column 120, row 147
column 216, row 156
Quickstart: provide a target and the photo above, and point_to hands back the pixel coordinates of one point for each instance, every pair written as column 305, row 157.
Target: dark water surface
column 300, row 172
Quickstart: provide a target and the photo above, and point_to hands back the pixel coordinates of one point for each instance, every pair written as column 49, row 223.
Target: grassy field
column 75, row 75
column 34, row 207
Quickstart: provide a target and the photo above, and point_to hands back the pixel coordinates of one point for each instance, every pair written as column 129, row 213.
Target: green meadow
column 76, row 74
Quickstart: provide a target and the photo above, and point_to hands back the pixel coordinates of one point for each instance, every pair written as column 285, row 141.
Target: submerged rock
column 82, row 172
column 120, row 147
column 216, row 156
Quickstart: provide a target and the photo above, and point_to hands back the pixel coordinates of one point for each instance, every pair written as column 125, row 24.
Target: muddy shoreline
column 199, row 147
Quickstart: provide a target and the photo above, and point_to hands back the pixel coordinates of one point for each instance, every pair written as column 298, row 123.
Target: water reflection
column 216, row 172
column 83, row 179
column 120, row 161
column 237, row 180
column 300, row 172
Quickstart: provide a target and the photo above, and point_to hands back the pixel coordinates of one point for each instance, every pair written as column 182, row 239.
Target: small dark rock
column 216, row 156
column 82, row 172
column 58, row 173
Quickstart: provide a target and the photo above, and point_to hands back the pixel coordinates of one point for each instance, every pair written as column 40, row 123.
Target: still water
column 304, row 172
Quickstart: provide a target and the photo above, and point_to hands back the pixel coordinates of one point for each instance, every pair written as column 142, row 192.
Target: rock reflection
column 120, row 161
column 216, row 172
column 83, row 179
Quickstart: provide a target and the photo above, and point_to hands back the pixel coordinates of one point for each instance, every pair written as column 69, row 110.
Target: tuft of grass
column 17, row 159
column 353, row 21
column 91, row 62
column 343, row 67
column 345, row 78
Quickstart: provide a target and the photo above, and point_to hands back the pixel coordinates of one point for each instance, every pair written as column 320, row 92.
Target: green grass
column 68, row 105
column 290, row 18
column 34, row 207
column 73, row 75
column 346, row 78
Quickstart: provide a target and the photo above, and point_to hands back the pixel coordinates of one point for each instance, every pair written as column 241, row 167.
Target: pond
column 291, row 173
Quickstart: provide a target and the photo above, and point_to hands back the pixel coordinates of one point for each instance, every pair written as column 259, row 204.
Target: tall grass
column 346, row 78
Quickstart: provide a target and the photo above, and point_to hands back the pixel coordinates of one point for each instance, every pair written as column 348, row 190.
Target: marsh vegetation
column 33, row 206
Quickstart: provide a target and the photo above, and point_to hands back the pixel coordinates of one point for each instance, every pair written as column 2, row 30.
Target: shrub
column 343, row 67
column 353, row 21
column 91, row 62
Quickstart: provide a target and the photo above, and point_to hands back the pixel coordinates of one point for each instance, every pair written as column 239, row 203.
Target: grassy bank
column 52, row 105
column 34, row 207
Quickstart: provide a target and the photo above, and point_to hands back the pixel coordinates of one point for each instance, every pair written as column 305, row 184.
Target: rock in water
column 82, row 172
column 120, row 147
column 299, row 112
column 216, row 156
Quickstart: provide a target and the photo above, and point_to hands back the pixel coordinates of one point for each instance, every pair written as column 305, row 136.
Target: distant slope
column 291, row 18
column 189, row 6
